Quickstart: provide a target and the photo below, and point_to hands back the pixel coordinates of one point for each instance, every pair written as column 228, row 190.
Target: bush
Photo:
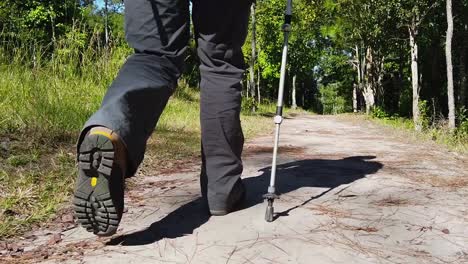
column 424, row 114
column 330, row 101
column 463, row 129
column 379, row 112
column 249, row 104
column 462, row 116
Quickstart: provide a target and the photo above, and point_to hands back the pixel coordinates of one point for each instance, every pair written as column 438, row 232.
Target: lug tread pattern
column 98, row 208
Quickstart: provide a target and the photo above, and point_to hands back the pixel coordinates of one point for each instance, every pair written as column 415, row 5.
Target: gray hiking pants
column 159, row 30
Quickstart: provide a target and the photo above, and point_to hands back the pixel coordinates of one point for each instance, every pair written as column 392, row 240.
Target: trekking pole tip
column 269, row 213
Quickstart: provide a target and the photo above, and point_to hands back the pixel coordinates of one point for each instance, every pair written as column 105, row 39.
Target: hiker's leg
column 220, row 28
column 158, row 30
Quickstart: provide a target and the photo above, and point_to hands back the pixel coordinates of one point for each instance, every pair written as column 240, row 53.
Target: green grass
column 454, row 140
column 33, row 191
column 43, row 110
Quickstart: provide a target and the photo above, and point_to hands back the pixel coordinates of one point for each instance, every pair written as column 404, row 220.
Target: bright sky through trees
column 100, row 3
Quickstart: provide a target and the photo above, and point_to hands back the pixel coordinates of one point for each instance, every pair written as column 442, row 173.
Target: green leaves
column 305, row 28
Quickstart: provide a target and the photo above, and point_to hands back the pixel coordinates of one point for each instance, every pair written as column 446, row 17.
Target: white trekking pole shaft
column 279, row 113
column 271, row 195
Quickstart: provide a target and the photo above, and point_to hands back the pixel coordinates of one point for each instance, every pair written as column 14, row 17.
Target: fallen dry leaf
column 67, row 218
column 13, row 247
column 54, row 239
column 3, row 245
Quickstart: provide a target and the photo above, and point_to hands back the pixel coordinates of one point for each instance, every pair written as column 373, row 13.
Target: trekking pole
column 271, row 195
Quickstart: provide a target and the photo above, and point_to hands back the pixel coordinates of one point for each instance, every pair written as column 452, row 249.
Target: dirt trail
column 351, row 193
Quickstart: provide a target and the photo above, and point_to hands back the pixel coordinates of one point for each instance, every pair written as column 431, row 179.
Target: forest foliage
column 382, row 57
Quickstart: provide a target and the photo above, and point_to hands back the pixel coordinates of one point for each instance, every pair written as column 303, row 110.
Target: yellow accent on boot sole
column 102, row 133
column 93, row 181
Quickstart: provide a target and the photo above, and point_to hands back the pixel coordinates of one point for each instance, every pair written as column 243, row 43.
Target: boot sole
column 98, row 197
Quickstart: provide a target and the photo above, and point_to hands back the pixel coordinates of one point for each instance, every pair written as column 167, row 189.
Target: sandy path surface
column 350, row 193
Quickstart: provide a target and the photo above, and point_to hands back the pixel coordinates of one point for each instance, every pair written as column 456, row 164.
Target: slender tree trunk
column 359, row 69
column 399, row 88
column 448, row 55
column 258, row 87
column 358, row 66
column 34, row 56
column 294, row 103
column 415, row 76
column 52, row 23
column 355, row 104
column 369, row 92
column 106, row 22
column 369, row 97
column 380, row 88
column 254, row 53
column 246, row 84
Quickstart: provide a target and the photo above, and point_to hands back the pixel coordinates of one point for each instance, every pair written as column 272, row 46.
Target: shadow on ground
column 321, row 173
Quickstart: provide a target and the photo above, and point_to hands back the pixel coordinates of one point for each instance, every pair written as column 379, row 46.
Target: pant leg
column 220, row 28
column 158, row 30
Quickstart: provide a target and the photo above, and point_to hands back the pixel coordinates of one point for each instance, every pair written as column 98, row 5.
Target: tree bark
column 52, row 25
column 355, row 104
column 360, row 66
column 369, row 92
column 254, row 53
column 379, row 85
column 448, row 55
column 106, row 22
column 259, row 98
column 34, row 56
column 415, row 75
column 369, row 97
column 401, row 74
column 293, row 96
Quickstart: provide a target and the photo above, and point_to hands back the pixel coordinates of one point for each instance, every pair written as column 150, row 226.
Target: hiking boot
column 99, row 192
column 234, row 201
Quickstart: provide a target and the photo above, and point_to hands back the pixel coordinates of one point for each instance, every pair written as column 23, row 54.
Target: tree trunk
column 52, row 23
column 369, row 92
column 379, row 85
column 448, row 55
column 369, row 97
column 259, row 98
column 358, row 66
column 254, row 54
column 360, row 70
column 415, row 75
column 294, row 103
column 34, row 56
column 355, row 105
column 106, row 22
column 401, row 74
